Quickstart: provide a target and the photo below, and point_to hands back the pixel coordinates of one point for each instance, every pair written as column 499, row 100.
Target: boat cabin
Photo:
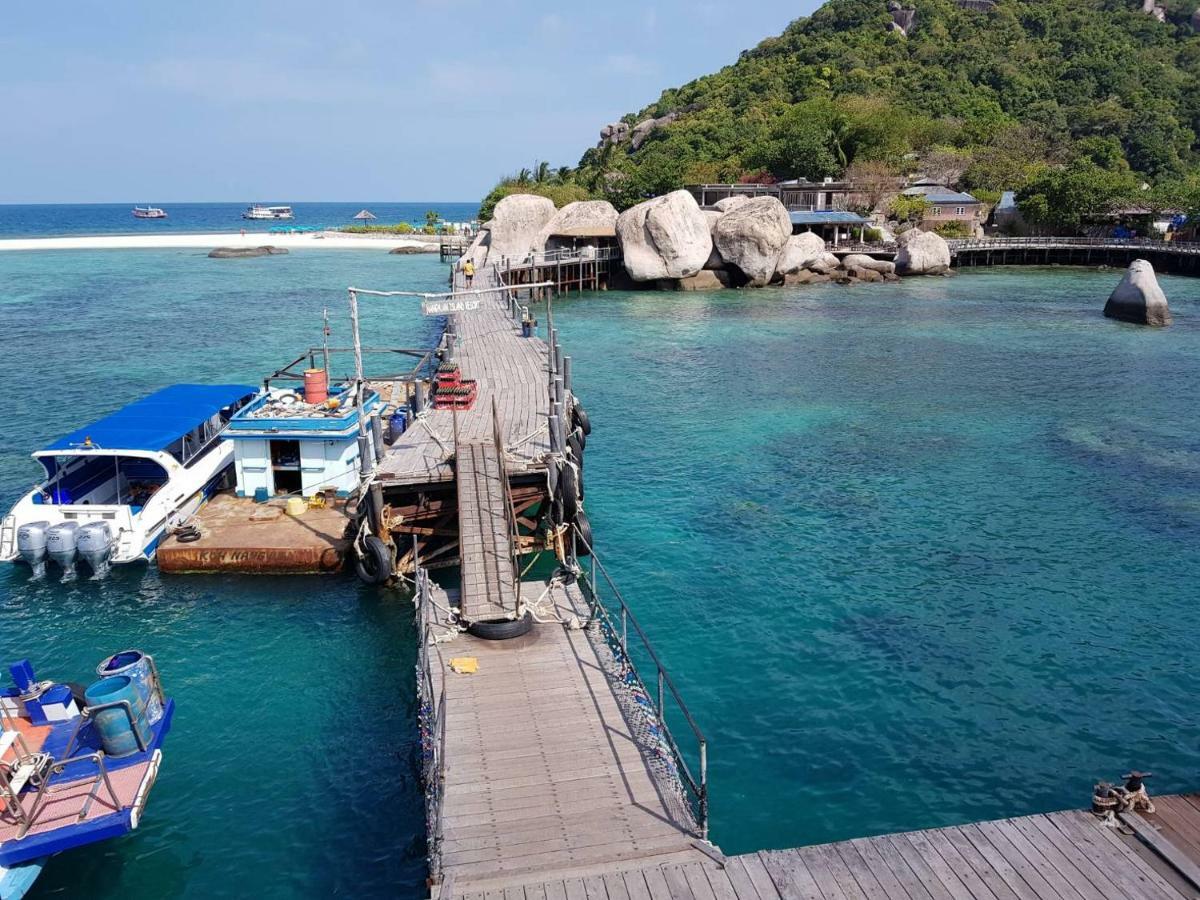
column 126, row 457
column 284, row 444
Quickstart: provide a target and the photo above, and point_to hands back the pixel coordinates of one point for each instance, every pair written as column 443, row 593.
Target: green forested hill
column 994, row 100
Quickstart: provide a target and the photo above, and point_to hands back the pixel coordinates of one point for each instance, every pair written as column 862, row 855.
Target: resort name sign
column 445, row 307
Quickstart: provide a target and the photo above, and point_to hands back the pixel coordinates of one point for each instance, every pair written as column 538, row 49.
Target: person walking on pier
column 469, row 272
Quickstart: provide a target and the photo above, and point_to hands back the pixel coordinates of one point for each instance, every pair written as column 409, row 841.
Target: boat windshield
column 99, row 480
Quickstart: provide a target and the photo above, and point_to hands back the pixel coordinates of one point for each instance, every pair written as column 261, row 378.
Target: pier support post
column 377, row 436
column 566, row 372
column 553, row 343
column 558, row 391
column 558, row 358
column 556, row 420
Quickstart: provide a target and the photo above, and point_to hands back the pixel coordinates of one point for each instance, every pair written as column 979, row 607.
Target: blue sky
column 336, row 100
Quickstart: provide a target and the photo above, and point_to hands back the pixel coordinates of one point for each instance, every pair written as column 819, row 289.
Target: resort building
column 797, row 194
column 947, row 205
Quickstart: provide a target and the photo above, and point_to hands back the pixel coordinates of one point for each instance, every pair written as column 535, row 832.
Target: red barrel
column 316, row 386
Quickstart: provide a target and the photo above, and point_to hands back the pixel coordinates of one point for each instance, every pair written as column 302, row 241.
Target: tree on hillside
column 874, row 181
column 1065, row 198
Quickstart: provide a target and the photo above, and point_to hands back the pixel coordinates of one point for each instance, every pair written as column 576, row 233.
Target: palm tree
column 563, row 173
column 541, row 172
column 523, row 176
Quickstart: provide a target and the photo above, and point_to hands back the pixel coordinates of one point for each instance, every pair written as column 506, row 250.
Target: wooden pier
column 550, row 767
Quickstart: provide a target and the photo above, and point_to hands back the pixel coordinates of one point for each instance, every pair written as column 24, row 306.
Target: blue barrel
column 116, row 735
column 526, row 329
column 397, row 424
column 134, row 664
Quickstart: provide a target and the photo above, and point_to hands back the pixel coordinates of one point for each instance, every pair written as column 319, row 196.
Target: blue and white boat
column 114, row 488
column 76, row 766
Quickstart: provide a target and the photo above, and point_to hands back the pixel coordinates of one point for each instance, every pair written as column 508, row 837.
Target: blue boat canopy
column 157, row 421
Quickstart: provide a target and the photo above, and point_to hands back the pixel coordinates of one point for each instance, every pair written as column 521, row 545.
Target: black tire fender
column 568, row 491
column 374, row 564
column 502, row 629
column 575, row 444
column 579, row 414
column 583, row 540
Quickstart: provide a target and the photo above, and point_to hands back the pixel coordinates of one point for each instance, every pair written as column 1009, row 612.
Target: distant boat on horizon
column 149, row 212
column 268, row 212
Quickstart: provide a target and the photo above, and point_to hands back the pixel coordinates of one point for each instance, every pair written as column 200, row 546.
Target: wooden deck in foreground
column 489, row 583
column 1058, row 856
column 552, row 766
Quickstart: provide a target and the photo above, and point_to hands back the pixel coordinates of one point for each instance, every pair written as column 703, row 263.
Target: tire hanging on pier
column 374, row 564
column 502, row 629
column 583, row 542
column 577, row 443
column 580, row 417
column 568, row 491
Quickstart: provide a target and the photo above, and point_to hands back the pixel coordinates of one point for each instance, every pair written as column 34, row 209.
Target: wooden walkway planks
column 507, row 367
column 549, row 769
column 1057, row 856
column 489, row 589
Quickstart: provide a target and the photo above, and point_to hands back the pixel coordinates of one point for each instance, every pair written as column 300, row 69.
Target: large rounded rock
column 862, row 261
column 728, row 204
column 922, row 253
column 1138, row 298
column 666, row 237
column 516, row 224
column 715, row 261
column 752, row 237
column 799, row 251
column 583, row 218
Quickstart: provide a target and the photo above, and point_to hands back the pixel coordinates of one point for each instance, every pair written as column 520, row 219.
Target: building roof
column 827, row 217
column 157, row 421
column 938, row 193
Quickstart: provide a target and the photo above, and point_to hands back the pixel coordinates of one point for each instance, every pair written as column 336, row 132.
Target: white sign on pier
column 448, row 306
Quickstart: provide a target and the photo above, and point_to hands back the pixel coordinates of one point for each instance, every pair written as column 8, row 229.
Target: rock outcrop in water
column 799, row 251
column 751, row 237
column 667, row 237
column 1138, row 298
column 245, row 252
column 516, row 223
column 922, row 253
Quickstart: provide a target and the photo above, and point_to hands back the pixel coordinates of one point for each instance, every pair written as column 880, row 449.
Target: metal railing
column 565, row 254
column 1049, row 242
column 616, row 623
column 432, row 722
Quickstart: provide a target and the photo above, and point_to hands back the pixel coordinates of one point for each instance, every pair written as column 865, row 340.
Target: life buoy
column 579, row 414
column 374, row 564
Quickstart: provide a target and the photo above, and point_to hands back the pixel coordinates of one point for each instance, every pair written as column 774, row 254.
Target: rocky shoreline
column 670, row 243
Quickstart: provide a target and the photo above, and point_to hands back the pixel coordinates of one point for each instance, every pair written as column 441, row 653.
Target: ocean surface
column 49, row 220
column 915, row 554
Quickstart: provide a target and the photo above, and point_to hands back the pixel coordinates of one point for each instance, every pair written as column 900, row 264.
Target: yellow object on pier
column 464, row 665
column 296, row 506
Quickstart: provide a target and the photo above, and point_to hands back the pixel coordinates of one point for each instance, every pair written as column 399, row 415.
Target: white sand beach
column 315, row 241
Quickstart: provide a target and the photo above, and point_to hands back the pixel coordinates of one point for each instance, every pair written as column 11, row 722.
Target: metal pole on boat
column 325, row 341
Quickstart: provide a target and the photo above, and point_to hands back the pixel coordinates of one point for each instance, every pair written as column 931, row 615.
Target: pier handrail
column 1050, row 241
column 565, row 254
column 431, row 714
column 616, row 630
column 510, row 516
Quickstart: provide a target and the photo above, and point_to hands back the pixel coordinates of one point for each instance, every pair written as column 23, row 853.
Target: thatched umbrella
column 366, row 214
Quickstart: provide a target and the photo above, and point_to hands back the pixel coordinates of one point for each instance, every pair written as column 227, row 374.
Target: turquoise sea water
column 915, row 554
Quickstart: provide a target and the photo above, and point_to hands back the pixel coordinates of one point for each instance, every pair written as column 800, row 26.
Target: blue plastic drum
column 135, row 665
column 116, row 732
column 397, row 423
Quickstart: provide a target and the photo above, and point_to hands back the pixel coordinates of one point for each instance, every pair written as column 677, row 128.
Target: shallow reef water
column 915, row 554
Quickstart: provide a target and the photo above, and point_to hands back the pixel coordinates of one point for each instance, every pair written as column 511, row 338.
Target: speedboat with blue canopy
column 76, row 764
column 115, row 487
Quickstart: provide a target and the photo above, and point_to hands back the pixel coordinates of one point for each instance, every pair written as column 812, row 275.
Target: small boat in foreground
column 268, row 212
column 76, row 765
column 113, row 488
column 148, row 212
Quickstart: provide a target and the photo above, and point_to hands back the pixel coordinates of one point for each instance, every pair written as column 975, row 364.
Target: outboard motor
column 60, row 544
column 95, row 543
column 31, row 544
